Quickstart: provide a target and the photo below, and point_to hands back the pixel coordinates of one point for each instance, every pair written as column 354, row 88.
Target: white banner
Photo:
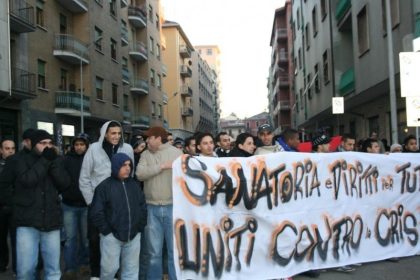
column 273, row 216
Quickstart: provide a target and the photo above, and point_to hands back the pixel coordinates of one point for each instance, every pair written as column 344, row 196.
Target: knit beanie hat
column 39, row 135
column 320, row 140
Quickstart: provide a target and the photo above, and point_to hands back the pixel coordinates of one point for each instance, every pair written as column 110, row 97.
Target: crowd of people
column 107, row 205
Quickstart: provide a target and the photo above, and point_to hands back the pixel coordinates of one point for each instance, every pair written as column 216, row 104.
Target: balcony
column 124, row 3
column 124, row 35
column 21, row 17
column 186, row 90
column 70, row 50
column 74, row 6
column 140, row 87
column 281, row 34
column 342, row 9
column 68, row 103
column 141, row 120
column 347, row 82
column 187, row 111
column 125, row 75
column 184, row 51
column 138, row 51
column 164, row 70
column 185, row 71
column 137, row 16
column 283, row 58
column 284, row 105
column 23, row 84
column 284, row 81
column 165, row 98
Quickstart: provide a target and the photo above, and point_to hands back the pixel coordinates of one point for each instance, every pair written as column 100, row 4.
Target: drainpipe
column 332, row 60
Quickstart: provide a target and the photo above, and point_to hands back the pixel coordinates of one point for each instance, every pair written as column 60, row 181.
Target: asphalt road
column 405, row 269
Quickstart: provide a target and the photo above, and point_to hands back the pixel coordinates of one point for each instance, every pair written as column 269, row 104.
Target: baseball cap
column 265, row 127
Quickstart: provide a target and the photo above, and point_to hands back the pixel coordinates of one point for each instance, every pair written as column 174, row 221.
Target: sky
column 242, row 30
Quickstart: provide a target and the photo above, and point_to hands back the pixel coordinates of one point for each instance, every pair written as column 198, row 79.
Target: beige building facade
column 177, row 55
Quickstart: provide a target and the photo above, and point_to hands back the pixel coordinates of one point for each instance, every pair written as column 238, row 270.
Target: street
column 405, row 269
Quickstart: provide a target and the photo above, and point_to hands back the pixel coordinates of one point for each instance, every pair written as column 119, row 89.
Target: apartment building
column 204, row 85
column 17, row 84
column 232, row 125
column 178, row 83
column 340, row 49
column 212, row 55
column 281, row 69
column 252, row 123
column 94, row 61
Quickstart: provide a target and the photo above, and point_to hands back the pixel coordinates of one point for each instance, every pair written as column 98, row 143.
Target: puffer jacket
column 37, row 187
column 118, row 206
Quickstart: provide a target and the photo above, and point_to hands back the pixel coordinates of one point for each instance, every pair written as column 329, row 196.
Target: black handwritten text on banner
column 274, row 216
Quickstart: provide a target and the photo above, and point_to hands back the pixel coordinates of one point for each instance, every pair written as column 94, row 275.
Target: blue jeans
column 28, row 243
column 159, row 227
column 76, row 247
column 112, row 250
column 144, row 257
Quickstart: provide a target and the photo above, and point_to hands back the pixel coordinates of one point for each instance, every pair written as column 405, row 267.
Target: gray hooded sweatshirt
column 96, row 165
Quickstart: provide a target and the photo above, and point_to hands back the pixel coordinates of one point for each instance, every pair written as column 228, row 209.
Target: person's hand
column 166, row 165
column 49, row 153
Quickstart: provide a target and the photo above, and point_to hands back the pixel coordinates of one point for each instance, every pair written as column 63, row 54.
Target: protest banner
column 266, row 217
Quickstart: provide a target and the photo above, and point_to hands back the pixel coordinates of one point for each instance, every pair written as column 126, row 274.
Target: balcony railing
column 186, row 90
column 137, row 16
column 187, row 111
column 185, row 71
column 23, row 83
column 68, row 102
column 281, row 33
column 75, row 6
column 164, row 70
column 140, row 87
column 284, row 104
column 125, row 75
column 124, row 3
column 143, row 120
column 22, row 17
column 184, row 51
column 138, row 51
column 70, row 49
column 283, row 58
column 165, row 98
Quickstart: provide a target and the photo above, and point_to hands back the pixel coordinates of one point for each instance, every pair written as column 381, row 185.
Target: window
column 99, row 88
column 157, row 21
column 114, row 94
column 293, row 31
column 152, row 76
column 125, row 103
column 325, row 65
column 301, row 98
column 316, row 75
column 124, row 62
column 151, row 44
column 159, row 113
column 307, row 37
column 295, row 65
column 41, row 74
column 113, row 49
column 63, row 79
column 395, row 14
column 63, row 24
column 298, row 18
column 314, row 21
column 324, row 10
column 209, row 52
column 309, row 88
column 158, row 51
column 40, row 13
column 363, row 31
column 300, row 58
column 150, row 13
column 159, row 81
column 98, row 37
column 113, row 8
column 297, row 103
column 153, row 108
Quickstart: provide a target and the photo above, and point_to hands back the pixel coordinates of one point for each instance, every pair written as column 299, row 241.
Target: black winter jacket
column 119, row 207
column 36, row 196
column 73, row 164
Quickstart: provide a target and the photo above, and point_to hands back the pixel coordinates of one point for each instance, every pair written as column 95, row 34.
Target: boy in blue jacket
column 119, row 211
